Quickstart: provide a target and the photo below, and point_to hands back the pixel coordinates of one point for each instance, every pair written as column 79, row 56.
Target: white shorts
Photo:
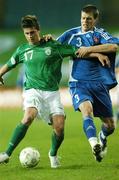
column 47, row 103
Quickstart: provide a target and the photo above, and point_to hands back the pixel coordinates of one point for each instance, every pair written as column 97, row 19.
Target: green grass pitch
column 76, row 157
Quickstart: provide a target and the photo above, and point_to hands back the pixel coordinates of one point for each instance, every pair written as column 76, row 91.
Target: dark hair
column 30, row 21
column 91, row 8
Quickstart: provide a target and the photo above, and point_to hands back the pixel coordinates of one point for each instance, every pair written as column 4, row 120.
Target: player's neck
column 36, row 42
column 86, row 30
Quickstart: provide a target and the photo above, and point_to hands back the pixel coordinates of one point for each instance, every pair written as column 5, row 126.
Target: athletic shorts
column 96, row 93
column 47, row 103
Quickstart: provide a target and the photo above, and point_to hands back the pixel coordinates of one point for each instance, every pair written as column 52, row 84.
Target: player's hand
column 48, row 37
column 82, row 52
column 104, row 60
column 1, row 81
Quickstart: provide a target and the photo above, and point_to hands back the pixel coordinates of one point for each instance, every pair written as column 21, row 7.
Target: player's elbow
column 114, row 47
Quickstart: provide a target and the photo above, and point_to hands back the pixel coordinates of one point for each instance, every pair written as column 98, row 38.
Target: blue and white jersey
column 88, row 69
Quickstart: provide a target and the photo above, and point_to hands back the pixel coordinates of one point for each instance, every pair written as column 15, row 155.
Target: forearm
column 104, row 48
column 4, row 69
column 91, row 55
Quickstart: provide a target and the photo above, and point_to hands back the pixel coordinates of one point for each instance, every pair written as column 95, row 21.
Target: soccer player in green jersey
column 42, row 61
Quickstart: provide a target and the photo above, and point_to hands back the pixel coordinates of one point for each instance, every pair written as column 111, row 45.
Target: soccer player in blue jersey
column 90, row 82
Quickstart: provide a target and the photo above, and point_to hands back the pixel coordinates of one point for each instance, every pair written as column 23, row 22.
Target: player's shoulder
column 104, row 34
column 68, row 34
column 52, row 42
column 99, row 30
column 74, row 30
column 22, row 47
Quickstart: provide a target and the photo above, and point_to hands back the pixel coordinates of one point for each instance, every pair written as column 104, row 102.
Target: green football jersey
column 42, row 63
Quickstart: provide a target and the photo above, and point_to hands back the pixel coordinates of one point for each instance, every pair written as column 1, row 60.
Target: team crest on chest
column 48, row 51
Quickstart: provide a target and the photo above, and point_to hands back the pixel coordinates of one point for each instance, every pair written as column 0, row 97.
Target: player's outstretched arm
column 104, row 60
column 103, row 48
column 3, row 70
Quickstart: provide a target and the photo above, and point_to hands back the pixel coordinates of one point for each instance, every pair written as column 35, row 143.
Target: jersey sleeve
column 66, row 50
column 105, row 37
column 14, row 60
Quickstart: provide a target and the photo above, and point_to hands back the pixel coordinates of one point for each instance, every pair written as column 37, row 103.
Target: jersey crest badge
column 48, row 51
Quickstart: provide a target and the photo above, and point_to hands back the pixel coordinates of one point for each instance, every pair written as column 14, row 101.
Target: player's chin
column 86, row 28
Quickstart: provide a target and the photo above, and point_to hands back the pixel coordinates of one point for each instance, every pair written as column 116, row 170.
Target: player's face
column 31, row 35
column 87, row 21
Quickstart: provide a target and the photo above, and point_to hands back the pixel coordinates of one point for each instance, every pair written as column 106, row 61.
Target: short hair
column 91, row 8
column 29, row 21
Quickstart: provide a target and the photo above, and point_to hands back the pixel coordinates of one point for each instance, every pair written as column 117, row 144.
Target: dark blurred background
column 55, row 13
column 55, row 17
